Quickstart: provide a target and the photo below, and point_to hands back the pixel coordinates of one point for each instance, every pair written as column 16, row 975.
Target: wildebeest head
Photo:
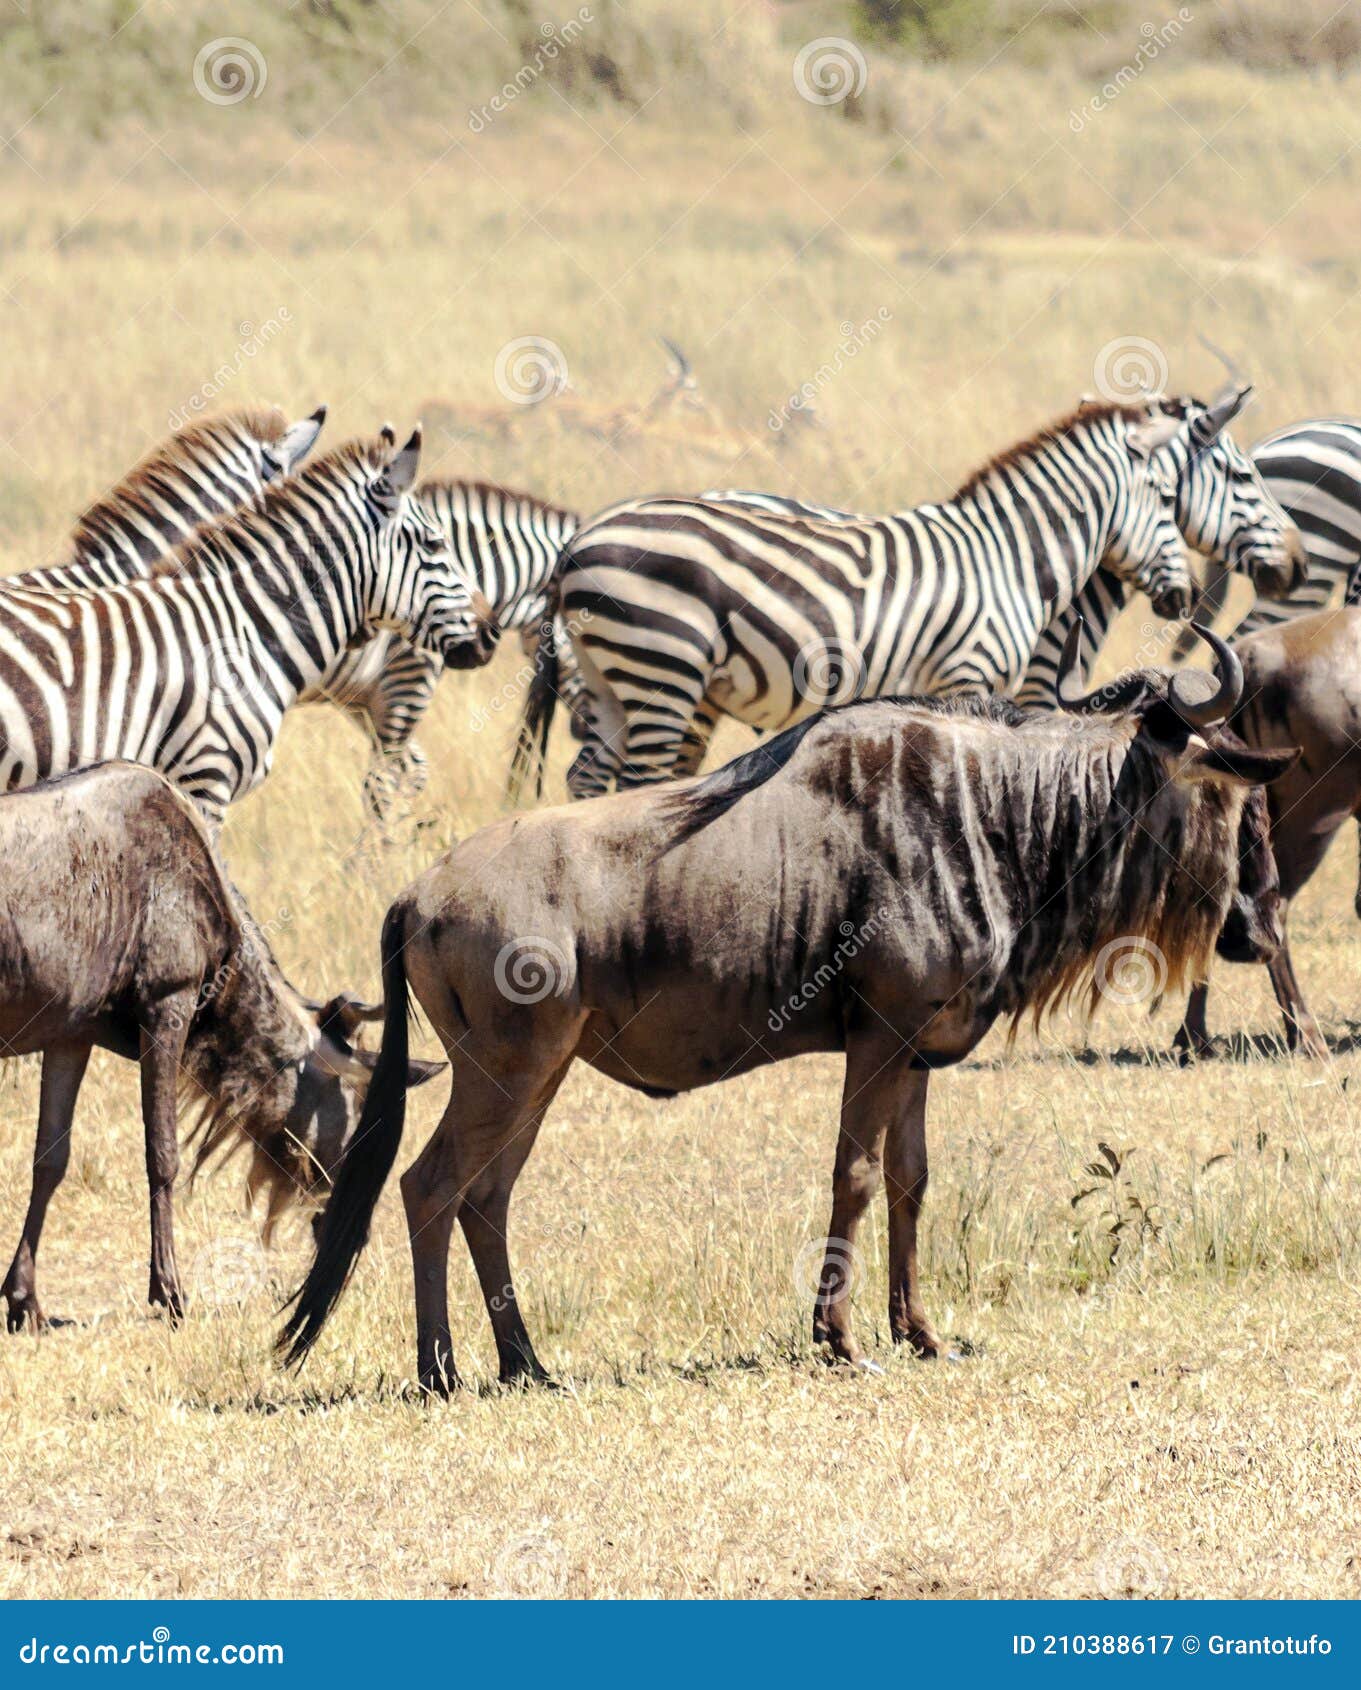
column 285, row 1074
column 1183, row 723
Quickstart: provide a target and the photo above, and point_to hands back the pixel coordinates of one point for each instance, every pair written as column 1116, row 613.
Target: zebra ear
column 399, row 473
column 299, row 440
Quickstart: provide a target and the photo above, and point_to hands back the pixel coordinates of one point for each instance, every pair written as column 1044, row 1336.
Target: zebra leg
column 594, row 770
column 697, row 741
column 413, row 770
column 63, row 1070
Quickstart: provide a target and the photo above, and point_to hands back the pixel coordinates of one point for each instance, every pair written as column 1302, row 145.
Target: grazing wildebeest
column 1302, row 686
column 119, row 928
column 887, row 879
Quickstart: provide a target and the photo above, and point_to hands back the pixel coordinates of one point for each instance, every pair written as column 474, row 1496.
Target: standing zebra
column 507, row 545
column 1228, row 506
column 1314, row 469
column 205, row 471
column 680, row 610
column 191, row 669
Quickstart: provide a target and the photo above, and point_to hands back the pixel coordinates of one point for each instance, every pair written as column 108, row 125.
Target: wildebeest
column 119, row 928
column 886, row 879
column 1302, row 686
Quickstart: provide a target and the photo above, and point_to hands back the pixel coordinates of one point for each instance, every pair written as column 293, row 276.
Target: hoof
column 24, row 1315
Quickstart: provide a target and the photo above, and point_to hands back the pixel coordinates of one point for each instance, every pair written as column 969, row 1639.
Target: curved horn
column 677, row 357
column 1225, row 698
column 1068, row 684
column 1235, row 375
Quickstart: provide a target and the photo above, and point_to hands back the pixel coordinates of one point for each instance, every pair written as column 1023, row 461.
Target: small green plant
column 1121, row 1215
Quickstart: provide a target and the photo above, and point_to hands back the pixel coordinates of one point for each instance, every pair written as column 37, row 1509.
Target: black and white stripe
column 191, row 669
column 1263, row 516
column 680, row 610
column 205, row 471
column 507, row 544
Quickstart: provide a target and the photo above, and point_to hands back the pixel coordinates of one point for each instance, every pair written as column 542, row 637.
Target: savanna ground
column 1158, row 1392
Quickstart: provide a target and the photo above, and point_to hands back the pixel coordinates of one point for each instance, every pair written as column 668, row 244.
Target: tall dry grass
column 1174, row 1416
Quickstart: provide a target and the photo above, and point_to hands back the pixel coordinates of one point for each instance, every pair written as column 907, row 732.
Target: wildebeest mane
column 699, row 805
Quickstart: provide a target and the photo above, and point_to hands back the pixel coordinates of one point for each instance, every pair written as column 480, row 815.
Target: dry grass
column 1180, row 1422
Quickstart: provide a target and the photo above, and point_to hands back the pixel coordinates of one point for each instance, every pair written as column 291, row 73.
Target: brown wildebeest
column 119, row 928
column 1302, row 686
column 886, row 879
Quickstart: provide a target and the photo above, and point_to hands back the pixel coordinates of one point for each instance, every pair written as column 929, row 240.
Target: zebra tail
column 541, row 700
column 367, row 1164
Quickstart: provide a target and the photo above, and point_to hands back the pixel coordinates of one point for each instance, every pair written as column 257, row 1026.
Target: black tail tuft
column 541, row 700
column 367, row 1164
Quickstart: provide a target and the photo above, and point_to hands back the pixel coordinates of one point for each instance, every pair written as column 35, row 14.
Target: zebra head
column 421, row 588
column 1224, row 508
column 1145, row 546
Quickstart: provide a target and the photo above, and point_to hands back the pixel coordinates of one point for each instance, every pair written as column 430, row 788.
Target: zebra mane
column 1082, row 415
column 451, row 486
column 355, row 460
column 199, row 443
column 694, row 808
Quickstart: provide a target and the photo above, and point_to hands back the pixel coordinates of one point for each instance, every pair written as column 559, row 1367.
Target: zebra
column 1228, row 506
column 507, row 544
column 1314, row 469
column 205, row 471
column 191, row 668
column 680, row 610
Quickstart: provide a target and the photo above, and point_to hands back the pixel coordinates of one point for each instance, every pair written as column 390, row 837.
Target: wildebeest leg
column 476, row 1127
column 1301, row 1030
column 1193, row 1036
column 163, row 1031
column 483, row 1215
column 868, row 1105
column 63, row 1070
column 905, row 1171
column 1356, row 905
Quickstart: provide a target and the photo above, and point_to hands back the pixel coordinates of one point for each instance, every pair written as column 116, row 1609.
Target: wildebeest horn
column 1068, row 683
column 1200, row 713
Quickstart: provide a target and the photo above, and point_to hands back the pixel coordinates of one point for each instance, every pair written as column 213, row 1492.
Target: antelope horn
column 677, row 357
column 1200, row 713
column 1235, row 375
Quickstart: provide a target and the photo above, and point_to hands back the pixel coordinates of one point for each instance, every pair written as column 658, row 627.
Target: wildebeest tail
column 541, row 700
column 367, row 1164
column 714, row 796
